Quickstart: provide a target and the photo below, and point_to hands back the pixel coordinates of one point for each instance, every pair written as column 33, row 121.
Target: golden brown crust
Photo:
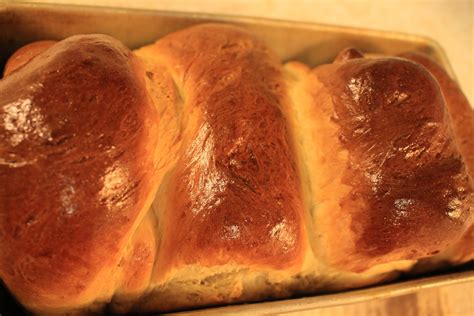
column 25, row 54
column 251, row 161
column 347, row 54
column 462, row 121
column 410, row 193
column 234, row 195
column 76, row 166
column 460, row 111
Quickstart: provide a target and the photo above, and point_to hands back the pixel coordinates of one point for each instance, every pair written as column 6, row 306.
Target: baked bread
column 78, row 166
column 268, row 180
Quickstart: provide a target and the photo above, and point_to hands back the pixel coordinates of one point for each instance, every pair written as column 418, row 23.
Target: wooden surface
column 450, row 22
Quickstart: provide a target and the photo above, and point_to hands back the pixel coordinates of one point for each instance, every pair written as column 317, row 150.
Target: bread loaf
column 200, row 170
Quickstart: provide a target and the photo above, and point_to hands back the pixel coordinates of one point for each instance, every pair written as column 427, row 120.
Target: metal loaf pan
column 313, row 44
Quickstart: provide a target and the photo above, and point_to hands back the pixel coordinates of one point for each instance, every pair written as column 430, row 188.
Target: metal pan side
column 311, row 43
column 393, row 289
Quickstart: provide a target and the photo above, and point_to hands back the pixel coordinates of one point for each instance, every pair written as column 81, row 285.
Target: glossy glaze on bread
column 233, row 193
column 268, row 180
column 236, row 170
column 410, row 191
column 77, row 159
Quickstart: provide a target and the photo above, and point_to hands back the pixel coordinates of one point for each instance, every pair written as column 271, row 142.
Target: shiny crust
column 460, row 111
column 25, row 54
column 234, row 194
column 410, row 194
column 269, row 180
column 76, row 165
column 462, row 121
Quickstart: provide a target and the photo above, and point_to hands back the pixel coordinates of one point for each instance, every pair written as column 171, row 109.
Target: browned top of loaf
column 460, row 111
column 235, row 194
column 23, row 55
column 462, row 119
column 404, row 167
column 75, row 158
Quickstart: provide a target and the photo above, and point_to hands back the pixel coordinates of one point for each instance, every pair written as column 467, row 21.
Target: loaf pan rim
column 9, row 4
